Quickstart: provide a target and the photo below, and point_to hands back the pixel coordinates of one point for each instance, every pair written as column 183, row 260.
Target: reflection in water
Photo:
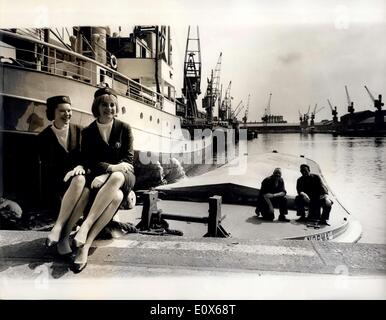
column 354, row 168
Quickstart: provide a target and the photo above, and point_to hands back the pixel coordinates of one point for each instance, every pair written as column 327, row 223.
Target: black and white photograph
column 192, row 150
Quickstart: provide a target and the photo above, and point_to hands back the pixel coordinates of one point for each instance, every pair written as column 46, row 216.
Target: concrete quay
column 139, row 266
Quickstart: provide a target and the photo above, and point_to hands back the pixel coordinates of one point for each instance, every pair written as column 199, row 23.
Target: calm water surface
column 354, row 167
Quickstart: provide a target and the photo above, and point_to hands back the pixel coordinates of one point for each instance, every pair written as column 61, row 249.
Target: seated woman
column 59, row 151
column 107, row 149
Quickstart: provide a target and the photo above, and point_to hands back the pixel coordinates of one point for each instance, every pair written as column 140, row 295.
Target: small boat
column 239, row 190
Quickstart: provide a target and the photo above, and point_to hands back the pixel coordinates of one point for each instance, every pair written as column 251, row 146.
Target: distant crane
column 226, row 104
column 350, row 107
column 192, row 75
column 300, row 117
column 306, row 116
column 334, row 112
column 379, row 119
column 378, row 104
column 312, row 122
column 212, row 91
column 267, row 110
column 245, row 118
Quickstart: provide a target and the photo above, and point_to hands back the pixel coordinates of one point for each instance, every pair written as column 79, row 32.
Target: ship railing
column 52, row 59
column 53, row 65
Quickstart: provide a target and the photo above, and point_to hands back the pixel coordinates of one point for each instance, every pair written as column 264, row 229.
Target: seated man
column 312, row 193
column 272, row 193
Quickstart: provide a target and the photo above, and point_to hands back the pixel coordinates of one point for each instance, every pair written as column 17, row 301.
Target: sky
column 303, row 52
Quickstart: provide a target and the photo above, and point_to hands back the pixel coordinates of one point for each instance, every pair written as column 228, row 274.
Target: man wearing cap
column 312, row 193
column 59, row 150
column 272, row 193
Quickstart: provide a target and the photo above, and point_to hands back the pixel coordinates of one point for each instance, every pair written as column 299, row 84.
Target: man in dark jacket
column 272, row 193
column 312, row 193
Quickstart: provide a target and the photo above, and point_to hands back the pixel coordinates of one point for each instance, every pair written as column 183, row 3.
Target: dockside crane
column 213, row 91
column 313, row 114
column 306, row 116
column 226, row 104
column 300, row 117
column 192, row 75
column 378, row 104
column 350, row 107
column 334, row 112
column 379, row 119
column 245, row 118
column 267, row 110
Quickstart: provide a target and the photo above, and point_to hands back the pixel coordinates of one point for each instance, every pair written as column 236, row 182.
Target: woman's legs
column 103, row 198
column 63, row 246
column 69, row 201
column 101, row 222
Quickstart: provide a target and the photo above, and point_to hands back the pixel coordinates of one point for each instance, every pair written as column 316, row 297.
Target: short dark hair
column 101, row 98
column 305, row 166
column 52, row 103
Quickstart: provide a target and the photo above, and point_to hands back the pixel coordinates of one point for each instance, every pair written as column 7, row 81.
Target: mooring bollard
column 214, row 220
column 150, row 211
column 149, row 208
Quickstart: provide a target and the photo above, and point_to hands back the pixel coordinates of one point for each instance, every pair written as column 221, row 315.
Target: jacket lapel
column 115, row 133
column 72, row 137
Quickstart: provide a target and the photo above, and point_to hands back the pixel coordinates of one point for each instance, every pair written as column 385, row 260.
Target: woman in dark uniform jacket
column 59, row 151
column 107, row 149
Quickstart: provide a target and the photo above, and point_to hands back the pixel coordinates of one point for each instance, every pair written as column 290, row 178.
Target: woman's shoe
column 78, row 244
column 50, row 243
column 78, row 267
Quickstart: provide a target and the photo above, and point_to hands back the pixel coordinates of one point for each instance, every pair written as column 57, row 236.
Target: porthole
column 157, row 121
column 151, row 118
column 141, row 115
column 123, row 110
column 174, row 127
